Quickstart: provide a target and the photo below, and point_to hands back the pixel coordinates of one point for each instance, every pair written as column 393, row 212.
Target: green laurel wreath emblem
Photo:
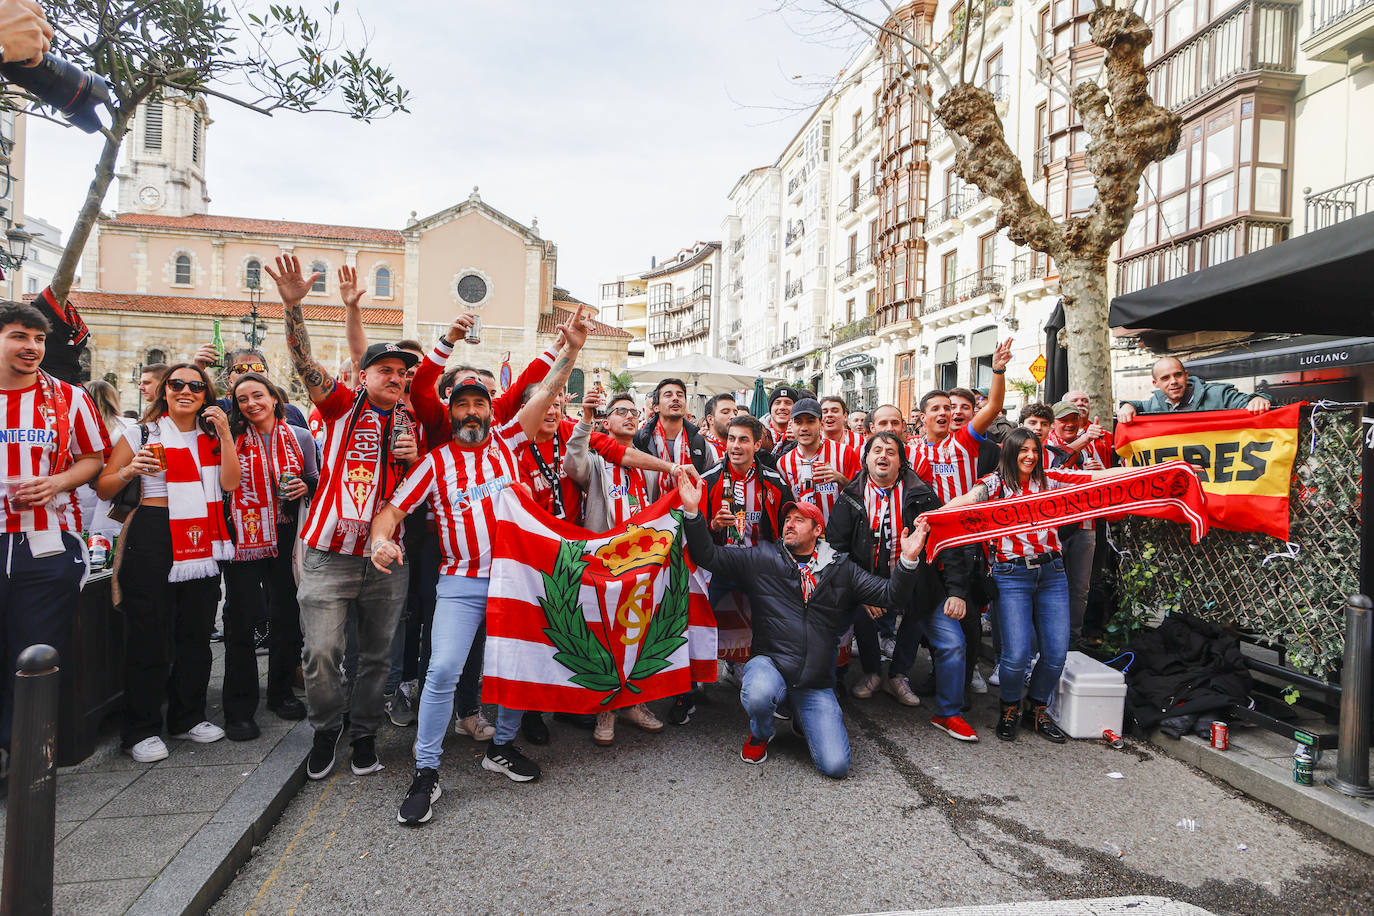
column 592, row 664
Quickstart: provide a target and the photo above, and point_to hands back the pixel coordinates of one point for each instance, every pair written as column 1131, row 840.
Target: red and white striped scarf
column 680, row 455
column 879, row 501
column 808, row 575
column 626, row 489
column 255, row 507
column 194, row 503
column 779, row 435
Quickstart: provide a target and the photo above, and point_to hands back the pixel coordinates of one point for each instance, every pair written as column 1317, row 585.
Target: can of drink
column 159, row 453
column 474, row 335
column 401, row 428
column 1303, row 761
column 99, row 551
column 1113, row 738
column 285, row 478
column 1221, row 735
column 804, row 473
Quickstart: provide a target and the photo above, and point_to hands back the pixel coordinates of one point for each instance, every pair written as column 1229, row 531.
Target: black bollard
column 29, row 827
column 1357, row 672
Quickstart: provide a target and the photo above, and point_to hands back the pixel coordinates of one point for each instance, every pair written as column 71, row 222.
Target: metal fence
column 1288, row 596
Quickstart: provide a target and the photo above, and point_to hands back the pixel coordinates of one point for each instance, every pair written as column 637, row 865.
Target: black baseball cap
column 380, row 351
column 784, row 391
column 469, row 384
column 807, row 407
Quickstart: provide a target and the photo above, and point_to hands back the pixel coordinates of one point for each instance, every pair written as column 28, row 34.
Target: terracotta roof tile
column 206, row 222
column 548, row 324
column 88, row 301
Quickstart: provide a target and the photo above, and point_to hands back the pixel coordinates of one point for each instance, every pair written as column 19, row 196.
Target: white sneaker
column 149, row 750
column 204, row 733
column 976, row 683
column 865, row 687
column 993, row 679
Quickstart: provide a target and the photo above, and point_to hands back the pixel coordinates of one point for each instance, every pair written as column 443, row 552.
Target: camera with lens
column 74, row 92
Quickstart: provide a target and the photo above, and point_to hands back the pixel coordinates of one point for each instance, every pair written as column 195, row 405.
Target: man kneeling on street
column 804, row 595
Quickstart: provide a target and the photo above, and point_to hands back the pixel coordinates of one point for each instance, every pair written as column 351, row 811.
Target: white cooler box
column 1090, row 699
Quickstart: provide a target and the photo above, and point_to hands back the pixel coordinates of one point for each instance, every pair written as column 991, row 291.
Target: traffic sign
column 1037, row 369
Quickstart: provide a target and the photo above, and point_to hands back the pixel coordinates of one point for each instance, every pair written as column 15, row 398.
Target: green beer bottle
column 218, row 343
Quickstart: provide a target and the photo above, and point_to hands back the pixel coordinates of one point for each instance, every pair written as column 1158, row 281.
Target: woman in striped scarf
column 279, row 472
column 168, row 569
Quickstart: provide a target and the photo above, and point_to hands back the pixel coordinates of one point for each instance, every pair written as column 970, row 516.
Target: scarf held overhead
column 1168, row 491
column 194, row 503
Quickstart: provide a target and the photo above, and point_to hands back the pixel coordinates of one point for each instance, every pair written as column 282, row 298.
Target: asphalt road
column 676, row 823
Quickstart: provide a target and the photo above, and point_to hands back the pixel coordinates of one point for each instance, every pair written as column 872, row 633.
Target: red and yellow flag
column 1246, row 460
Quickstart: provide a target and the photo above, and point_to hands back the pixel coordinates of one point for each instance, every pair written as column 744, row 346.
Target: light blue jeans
column 1032, row 606
column 460, row 607
column 817, row 710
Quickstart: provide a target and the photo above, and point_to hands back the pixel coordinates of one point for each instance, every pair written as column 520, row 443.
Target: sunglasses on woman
column 247, row 367
column 178, row 385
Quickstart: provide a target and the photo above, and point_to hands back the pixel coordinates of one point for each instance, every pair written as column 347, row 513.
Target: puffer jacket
column 800, row 636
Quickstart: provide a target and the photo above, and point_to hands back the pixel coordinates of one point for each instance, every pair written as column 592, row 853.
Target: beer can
column 99, row 551
column 401, row 428
column 804, row 473
column 1303, row 762
column 474, row 335
column 1113, row 738
column 159, row 453
column 285, row 478
column 1221, row 735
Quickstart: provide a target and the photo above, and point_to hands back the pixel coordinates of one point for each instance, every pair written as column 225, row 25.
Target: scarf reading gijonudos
column 194, row 503
column 1168, row 491
column 255, row 508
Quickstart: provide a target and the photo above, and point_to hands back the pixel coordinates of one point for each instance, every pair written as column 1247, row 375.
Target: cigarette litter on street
column 1112, row 849
column 1116, row 775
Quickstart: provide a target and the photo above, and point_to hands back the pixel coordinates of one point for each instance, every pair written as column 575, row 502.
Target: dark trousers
column 38, row 600
column 167, row 656
column 256, row 589
column 867, row 632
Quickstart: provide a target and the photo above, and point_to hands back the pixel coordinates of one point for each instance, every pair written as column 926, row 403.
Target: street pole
column 136, row 379
column 32, row 806
column 1357, row 673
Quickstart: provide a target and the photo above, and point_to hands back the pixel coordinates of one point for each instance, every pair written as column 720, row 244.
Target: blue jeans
column 817, row 710
column 947, row 651
column 1032, row 604
column 460, row 608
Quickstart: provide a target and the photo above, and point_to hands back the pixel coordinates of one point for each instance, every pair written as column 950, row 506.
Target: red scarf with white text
column 255, row 508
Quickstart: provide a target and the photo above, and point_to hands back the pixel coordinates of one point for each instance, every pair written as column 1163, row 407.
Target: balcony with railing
column 999, row 86
column 942, row 211
column 1175, row 258
column 799, row 344
column 863, row 132
column 793, row 289
column 851, row 264
column 855, row 200
column 1338, row 204
column 794, row 185
column 1257, row 35
column 737, row 287
column 844, row 333
column 794, row 233
column 1339, row 29
column 1027, row 267
column 737, row 246
column 687, row 326
column 990, row 282
column 954, row 40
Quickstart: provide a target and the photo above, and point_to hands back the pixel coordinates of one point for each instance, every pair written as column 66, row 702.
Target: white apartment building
column 43, row 252
column 750, row 282
column 683, row 293
column 624, row 304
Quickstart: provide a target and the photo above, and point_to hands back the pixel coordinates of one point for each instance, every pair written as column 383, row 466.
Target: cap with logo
column 784, row 391
column 380, row 351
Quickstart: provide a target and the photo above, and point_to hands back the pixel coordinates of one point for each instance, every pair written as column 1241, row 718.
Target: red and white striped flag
column 580, row 622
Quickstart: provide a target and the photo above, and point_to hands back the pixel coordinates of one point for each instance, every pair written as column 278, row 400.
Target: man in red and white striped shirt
column 818, row 467
column 369, row 441
column 51, row 442
column 835, row 423
column 460, row 481
column 953, row 456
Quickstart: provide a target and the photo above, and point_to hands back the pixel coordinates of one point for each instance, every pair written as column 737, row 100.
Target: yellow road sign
column 1037, row 368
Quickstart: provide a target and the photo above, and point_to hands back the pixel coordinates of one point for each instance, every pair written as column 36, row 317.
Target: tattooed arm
column 979, row 494
column 574, row 336
column 292, row 287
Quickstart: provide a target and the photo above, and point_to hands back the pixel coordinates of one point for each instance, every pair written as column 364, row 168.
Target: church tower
column 163, row 166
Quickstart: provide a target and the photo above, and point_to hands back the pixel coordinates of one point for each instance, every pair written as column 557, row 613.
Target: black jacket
column 702, row 457
column 1185, row 667
column 800, row 636
column 849, row 532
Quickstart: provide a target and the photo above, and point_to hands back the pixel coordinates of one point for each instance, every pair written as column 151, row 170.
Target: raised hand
column 690, row 491
column 206, row 356
column 1002, row 355
column 913, row 539
column 592, row 402
column 458, row 328
column 291, row 286
column 575, row 330
column 349, row 289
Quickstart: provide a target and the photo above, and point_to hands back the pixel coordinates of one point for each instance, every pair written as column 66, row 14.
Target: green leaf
column 579, row 650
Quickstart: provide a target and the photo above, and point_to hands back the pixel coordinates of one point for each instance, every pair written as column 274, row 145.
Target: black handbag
column 126, row 500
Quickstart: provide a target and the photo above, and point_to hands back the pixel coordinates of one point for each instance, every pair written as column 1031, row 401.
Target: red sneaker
column 955, row 727
column 755, row 750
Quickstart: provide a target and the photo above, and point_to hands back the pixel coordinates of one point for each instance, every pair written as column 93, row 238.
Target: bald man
column 1176, row 390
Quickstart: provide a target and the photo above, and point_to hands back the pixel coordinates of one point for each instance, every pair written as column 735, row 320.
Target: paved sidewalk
column 167, row 838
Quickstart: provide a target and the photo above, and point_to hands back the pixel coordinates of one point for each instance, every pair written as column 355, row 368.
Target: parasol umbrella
column 758, row 405
column 705, row 375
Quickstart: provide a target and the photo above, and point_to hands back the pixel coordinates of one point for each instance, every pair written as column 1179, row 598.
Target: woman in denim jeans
column 1032, row 601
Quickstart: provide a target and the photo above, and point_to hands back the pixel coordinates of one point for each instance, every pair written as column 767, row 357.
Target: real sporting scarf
column 1168, row 491
column 195, row 503
column 884, row 508
column 807, row 569
column 679, row 454
column 255, row 508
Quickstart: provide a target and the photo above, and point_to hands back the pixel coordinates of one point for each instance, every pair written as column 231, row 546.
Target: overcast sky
column 621, row 125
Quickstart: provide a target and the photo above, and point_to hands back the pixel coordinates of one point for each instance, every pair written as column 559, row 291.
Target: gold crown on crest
column 364, row 474
column 636, row 548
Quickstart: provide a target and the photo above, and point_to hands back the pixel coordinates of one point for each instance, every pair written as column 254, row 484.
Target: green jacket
column 1201, row 395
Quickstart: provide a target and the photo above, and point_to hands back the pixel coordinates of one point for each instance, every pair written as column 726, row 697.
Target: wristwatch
column 999, row 372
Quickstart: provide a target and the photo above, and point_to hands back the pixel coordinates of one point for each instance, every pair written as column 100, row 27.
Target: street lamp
column 254, row 328
column 13, row 257
column 135, row 379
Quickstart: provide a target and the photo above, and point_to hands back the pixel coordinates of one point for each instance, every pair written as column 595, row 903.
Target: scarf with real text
column 195, row 503
column 255, row 508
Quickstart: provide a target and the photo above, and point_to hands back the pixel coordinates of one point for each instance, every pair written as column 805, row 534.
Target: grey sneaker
column 399, row 708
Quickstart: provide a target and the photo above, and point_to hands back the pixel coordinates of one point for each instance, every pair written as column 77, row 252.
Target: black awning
column 1318, row 283
column 1304, row 353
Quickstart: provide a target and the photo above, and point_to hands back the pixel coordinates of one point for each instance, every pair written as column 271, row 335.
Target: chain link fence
column 1287, row 596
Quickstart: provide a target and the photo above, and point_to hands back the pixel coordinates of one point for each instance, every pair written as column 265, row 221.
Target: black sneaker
column 365, row 756
column 506, row 758
column 684, row 707
column 535, row 729
column 1006, row 725
column 289, row 708
column 245, row 730
column 322, row 754
column 424, row 791
column 1037, row 719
